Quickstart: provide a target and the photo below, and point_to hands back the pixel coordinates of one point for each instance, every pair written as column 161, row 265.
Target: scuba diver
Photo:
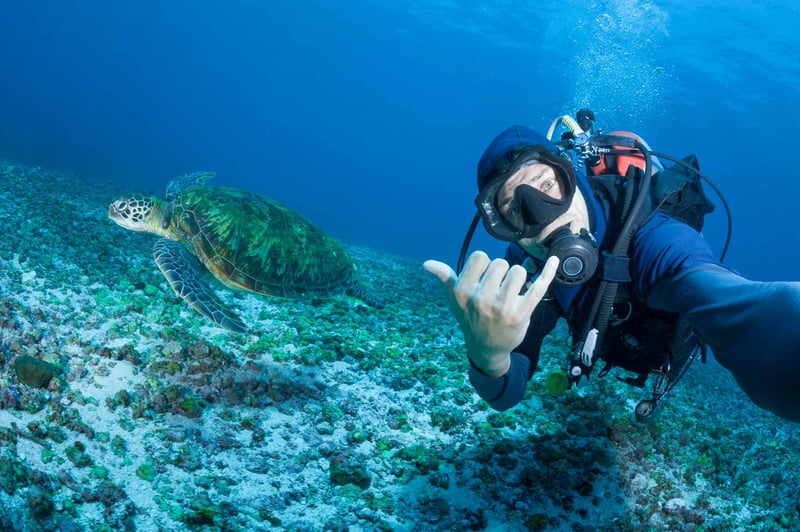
column 603, row 234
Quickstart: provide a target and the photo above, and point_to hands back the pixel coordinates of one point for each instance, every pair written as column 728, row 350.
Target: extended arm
column 752, row 327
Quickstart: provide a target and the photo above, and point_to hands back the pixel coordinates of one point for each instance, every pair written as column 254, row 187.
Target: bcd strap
column 615, row 268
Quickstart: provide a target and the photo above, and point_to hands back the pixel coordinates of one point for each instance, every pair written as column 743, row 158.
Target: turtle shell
column 254, row 243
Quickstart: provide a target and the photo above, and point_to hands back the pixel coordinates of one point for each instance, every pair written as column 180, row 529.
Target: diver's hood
column 512, row 149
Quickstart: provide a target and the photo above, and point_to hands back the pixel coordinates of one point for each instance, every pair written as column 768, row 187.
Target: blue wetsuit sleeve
column 662, row 247
column 751, row 327
column 503, row 392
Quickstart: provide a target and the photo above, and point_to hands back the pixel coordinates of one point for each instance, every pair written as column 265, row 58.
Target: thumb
column 442, row 271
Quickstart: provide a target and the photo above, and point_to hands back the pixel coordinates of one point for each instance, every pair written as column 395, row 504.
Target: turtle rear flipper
column 183, row 271
column 363, row 292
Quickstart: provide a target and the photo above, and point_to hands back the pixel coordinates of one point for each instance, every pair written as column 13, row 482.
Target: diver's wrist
column 495, row 366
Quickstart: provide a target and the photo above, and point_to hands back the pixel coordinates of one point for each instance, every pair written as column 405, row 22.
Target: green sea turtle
column 245, row 240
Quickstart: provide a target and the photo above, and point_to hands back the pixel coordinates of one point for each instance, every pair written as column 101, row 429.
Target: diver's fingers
column 539, row 287
column 494, row 276
column 515, row 279
column 473, row 271
column 443, row 272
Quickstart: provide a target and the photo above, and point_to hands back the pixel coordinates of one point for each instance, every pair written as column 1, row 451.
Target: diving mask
column 537, row 209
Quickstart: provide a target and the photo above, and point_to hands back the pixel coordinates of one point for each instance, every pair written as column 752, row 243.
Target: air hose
column 462, row 256
column 603, row 304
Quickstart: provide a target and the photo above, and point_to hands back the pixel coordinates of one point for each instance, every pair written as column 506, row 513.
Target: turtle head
column 137, row 213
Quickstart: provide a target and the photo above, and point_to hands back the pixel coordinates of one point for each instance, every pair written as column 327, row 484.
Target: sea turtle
column 245, row 240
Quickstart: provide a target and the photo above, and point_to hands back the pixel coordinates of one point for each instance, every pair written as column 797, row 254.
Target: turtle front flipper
column 182, row 270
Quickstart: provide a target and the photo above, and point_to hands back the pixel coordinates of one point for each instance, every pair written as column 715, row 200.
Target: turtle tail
column 363, row 292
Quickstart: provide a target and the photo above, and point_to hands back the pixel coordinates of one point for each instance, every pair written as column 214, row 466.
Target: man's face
column 546, row 180
column 537, row 175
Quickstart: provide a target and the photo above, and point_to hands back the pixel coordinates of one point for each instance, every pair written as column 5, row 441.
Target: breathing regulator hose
column 626, row 234
column 602, row 306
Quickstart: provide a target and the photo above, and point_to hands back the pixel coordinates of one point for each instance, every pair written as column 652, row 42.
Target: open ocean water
column 120, row 408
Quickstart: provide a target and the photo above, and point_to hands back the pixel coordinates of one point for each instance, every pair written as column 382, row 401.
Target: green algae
column 349, row 469
column 146, row 472
column 34, row 372
column 422, row 457
column 77, row 456
column 191, row 406
column 119, row 446
column 99, row 472
column 331, row 412
column 14, row 473
column 447, row 419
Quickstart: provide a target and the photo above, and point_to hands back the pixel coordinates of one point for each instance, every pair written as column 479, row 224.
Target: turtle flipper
column 182, row 270
column 361, row 291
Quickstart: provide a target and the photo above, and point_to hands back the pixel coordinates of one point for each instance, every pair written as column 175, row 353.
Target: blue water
column 369, row 116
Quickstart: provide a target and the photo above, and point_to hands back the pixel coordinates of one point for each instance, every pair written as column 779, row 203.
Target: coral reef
column 121, row 409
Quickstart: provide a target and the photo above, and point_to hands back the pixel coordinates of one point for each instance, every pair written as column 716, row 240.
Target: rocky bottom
column 121, row 409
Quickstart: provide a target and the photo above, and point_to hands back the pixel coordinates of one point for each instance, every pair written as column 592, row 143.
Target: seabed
column 122, row 409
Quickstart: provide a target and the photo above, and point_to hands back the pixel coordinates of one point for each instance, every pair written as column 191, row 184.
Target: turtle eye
column 122, row 205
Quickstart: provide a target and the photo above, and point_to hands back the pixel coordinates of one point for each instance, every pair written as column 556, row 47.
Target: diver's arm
column 506, row 391
column 752, row 328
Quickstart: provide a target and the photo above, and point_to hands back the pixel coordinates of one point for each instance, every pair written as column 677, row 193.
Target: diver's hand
column 486, row 301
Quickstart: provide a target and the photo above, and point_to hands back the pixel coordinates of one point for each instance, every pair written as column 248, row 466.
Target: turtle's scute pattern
column 254, row 243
